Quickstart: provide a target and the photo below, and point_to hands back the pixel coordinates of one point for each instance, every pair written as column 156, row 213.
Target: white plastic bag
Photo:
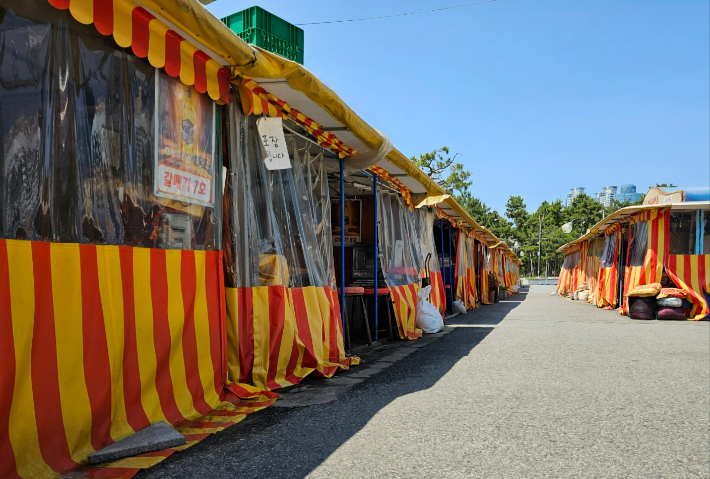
column 459, row 307
column 424, row 293
column 429, row 318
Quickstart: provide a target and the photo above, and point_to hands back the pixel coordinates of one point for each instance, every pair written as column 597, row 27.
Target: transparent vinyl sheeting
column 88, row 154
column 279, row 228
column 425, row 218
column 401, row 255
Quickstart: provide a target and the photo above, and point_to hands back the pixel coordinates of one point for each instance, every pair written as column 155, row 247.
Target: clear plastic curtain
column 78, row 149
column 425, row 237
column 398, row 241
column 279, row 220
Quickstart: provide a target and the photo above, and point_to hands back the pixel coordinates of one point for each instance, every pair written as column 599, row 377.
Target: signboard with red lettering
column 184, row 127
column 353, row 219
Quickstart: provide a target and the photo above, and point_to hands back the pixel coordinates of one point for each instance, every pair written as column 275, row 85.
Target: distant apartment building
column 606, row 196
column 628, row 193
column 573, row 193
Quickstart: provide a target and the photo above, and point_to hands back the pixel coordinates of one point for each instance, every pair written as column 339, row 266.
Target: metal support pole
column 377, row 285
column 443, row 264
column 451, row 270
column 539, row 246
column 342, row 244
column 698, row 238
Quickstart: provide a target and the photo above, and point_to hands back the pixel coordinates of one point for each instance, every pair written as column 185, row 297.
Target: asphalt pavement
column 534, row 386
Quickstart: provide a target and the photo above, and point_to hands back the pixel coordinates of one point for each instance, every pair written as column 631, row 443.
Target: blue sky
column 537, row 96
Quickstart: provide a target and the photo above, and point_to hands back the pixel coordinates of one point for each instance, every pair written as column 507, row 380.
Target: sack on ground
column 459, row 307
column 429, row 318
column 672, row 293
column 669, row 303
column 671, row 313
column 646, row 290
column 423, row 294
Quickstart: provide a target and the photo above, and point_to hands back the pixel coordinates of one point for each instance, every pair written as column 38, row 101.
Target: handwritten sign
column 272, row 138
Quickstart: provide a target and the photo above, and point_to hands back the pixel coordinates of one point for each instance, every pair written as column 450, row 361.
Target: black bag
column 642, row 307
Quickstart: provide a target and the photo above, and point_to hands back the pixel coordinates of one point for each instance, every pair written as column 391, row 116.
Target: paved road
column 536, row 386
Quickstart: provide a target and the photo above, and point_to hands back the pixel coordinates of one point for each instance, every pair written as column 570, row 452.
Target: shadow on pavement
column 292, row 442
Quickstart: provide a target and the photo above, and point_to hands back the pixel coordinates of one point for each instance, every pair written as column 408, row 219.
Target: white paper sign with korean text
column 272, row 137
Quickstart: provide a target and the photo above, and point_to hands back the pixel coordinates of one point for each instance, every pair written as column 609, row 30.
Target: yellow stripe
column 82, row 11
column 187, row 68
column 122, row 22
column 145, row 342
column 260, row 304
column 315, row 323
column 156, row 43
column 74, row 398
column 202, row 331
column 211, row 68
column 288, row 338
column 111, row 290
column 23, row 430
column 176, row 320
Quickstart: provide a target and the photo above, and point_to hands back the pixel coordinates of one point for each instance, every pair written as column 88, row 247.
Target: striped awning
column 257, row 101
column 133, row 26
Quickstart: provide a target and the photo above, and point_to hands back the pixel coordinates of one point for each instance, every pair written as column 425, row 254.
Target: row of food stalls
column 664, row 244
column 179, row 212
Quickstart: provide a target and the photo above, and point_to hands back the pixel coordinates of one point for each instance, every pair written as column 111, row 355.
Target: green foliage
column 449, row 174
column 665, row 185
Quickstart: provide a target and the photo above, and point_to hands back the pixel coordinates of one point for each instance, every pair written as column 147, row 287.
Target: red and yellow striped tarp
column 98, row 342
column 257, row 101
column 568, row 274
column 608, row 278
column 134, row 26
column 404, row 303
column 692, row 274
column 484, row 288
column 403, row 190
column 279, row 335
column 438, row 294
column 656, row 252
column 465, row 283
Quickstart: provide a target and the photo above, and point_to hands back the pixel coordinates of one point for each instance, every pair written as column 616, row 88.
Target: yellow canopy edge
column 196, row 21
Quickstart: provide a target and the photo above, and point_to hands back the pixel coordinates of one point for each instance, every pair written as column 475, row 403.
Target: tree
column 584, row 212
column 516, row 211
column 449, row 174
column 665, row 185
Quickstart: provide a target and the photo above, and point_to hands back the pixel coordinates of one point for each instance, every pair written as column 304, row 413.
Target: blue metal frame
column 376, row 239
column 698, row 238
column 443, row 260
column 451, row 270
column 342, row 245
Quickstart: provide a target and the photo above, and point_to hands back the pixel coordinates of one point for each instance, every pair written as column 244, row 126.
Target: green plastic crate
column 263, row 29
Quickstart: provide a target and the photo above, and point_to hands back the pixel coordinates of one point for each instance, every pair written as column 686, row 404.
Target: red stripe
column 276, row 329
column 7, row 368
column 654, row 250
column 199, row 61
column 97, row 367
column 223, row 80
column 60, row 4
column 702, row 305
column 245, row 323
column 103, row 16
column 109, row 472
column 136, row 416
column 45, row 380
column 293, row 360
column 333, row 324
column 140, row 36
column 162, row 336
column 190, row 353
column 222, row 320
column 173, row 61
column 304, row 329
column 214, row 292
